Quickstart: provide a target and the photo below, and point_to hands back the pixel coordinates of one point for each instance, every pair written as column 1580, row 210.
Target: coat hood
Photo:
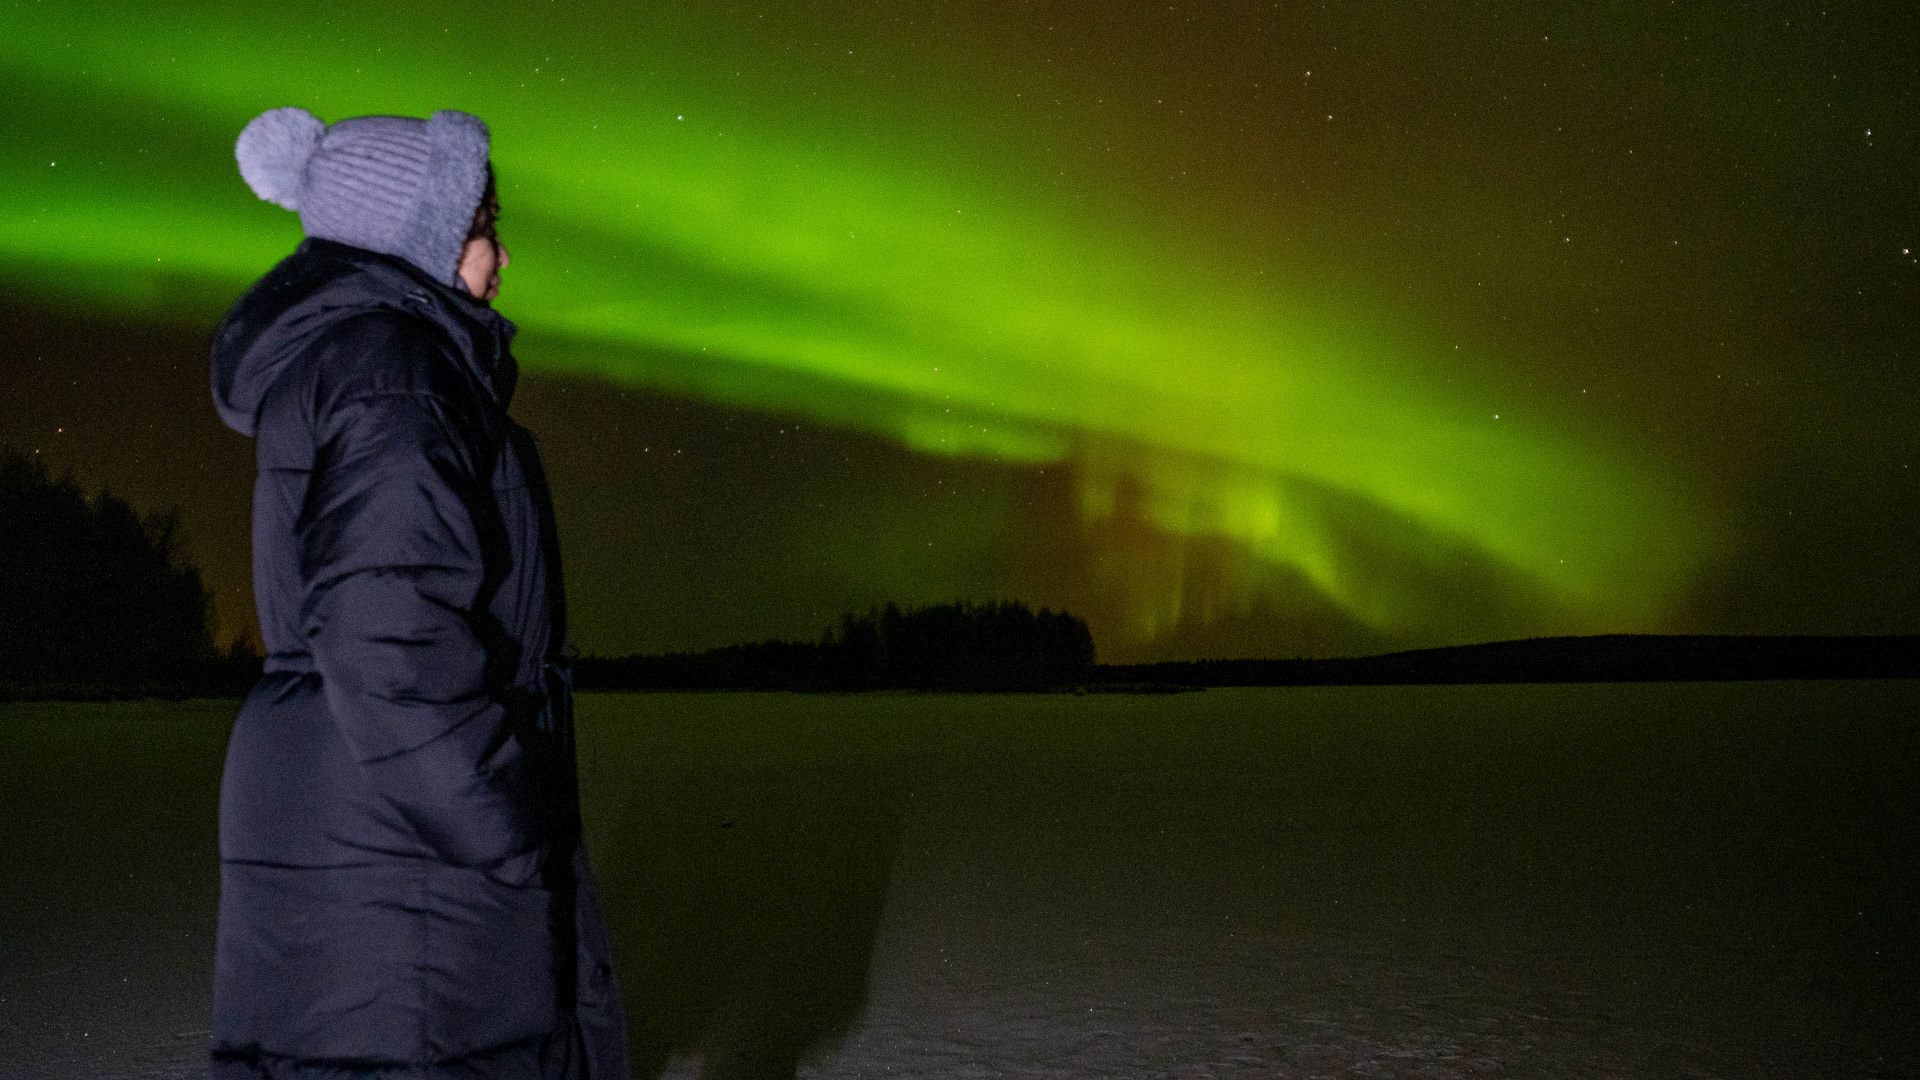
column 324, row 282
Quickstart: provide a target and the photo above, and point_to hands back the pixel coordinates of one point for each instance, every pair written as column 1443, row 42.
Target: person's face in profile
column 484, row 256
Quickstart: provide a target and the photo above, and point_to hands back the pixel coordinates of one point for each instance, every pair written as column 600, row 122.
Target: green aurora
column 882, row 260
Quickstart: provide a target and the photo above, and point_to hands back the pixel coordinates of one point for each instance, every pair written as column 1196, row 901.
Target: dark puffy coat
column 403, row 890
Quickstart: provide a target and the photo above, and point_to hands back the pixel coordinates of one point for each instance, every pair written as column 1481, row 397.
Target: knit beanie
column 392, row 184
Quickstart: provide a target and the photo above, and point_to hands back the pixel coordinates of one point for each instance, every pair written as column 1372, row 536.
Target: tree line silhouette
column 97, row 600
column 998, row 645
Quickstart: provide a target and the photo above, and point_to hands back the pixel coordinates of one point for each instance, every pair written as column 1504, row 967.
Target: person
column 403, row 886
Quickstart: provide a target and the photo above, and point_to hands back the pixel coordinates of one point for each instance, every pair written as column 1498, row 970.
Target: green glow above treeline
column 678, row 223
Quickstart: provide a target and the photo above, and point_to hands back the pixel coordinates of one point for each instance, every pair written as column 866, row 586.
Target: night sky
column 1236, row 329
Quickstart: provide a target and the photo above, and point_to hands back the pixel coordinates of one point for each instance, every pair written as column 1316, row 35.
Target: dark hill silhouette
column 1601, row 658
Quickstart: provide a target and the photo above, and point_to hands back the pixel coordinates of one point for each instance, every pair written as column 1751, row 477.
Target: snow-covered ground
column 1592, row 881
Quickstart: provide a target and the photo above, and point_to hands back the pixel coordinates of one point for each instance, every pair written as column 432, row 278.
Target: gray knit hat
column 393, row 184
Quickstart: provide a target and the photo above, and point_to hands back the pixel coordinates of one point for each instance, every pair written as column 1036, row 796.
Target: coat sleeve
column 392, row 568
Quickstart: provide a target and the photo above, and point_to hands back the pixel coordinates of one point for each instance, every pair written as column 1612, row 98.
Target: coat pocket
column 492, row 972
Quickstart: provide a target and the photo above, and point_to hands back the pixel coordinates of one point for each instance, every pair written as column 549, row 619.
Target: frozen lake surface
column 1687, row 880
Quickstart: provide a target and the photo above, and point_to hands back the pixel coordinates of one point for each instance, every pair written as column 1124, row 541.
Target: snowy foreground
column 1579, row 881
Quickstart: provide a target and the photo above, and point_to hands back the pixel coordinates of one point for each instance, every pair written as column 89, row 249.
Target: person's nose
column 504, row 260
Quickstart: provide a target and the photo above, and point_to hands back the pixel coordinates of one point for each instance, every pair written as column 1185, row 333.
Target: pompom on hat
column 393, row 184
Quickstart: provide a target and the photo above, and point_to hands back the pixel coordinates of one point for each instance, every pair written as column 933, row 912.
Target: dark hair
column 488, row 212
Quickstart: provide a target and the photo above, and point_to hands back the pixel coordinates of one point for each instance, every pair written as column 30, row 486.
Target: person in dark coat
column 403, row 887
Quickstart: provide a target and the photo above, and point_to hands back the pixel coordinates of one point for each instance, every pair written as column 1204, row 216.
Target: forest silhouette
column 97, row 600
column 997, row 645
